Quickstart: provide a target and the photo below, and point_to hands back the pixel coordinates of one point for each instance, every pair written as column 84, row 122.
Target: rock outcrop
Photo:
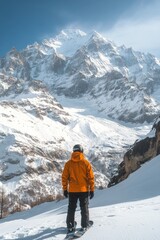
column 142, row 151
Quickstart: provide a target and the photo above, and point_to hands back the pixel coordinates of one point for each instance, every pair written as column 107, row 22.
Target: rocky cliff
column 141, row 152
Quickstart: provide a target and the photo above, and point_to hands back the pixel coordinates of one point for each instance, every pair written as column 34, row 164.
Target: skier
column 78, row 183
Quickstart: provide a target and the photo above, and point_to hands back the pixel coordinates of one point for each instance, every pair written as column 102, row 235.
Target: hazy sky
column 135, row 23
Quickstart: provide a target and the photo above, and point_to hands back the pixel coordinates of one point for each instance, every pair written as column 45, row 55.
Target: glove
column 65, row 193
column 91, row 194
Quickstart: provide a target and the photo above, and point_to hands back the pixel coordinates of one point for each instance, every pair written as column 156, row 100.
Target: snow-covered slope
column 37, row 136
column 129, row 210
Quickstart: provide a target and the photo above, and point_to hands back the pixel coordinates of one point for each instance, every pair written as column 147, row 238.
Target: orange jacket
column 78, row 174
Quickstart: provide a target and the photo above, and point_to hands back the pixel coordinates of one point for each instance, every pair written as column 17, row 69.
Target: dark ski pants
column 83, row 200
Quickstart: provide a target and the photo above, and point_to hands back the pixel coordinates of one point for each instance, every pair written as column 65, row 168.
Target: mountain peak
column 98, row 38
column 70, row 33
column 96, row 34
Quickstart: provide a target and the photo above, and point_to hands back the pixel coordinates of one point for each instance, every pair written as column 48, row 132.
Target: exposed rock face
column 141, row 152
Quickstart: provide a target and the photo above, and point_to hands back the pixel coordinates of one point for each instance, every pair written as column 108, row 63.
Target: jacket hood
column 77, row 156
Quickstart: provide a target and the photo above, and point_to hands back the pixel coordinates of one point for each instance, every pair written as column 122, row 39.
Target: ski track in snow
column 126, row 221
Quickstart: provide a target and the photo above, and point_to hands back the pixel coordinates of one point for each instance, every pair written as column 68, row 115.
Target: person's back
column 78, row 181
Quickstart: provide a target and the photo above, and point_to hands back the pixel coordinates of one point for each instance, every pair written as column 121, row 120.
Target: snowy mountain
column 129, row 210
column 122, row 83
column 67, row 90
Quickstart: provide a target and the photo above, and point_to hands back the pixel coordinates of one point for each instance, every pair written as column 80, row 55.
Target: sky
column 135, row 23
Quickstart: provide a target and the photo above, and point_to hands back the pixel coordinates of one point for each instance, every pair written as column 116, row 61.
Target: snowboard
column 79, row 233
column 69, row 236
